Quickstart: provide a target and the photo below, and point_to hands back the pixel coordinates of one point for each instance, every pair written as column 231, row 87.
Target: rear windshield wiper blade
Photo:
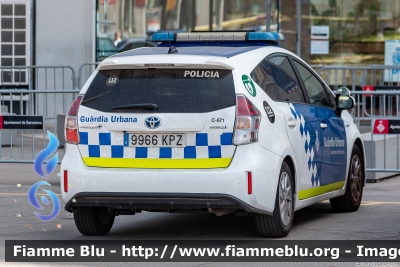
column 138, row 106
column 93, row 98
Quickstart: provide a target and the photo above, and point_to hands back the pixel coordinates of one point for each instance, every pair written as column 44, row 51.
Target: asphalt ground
column 377, row 219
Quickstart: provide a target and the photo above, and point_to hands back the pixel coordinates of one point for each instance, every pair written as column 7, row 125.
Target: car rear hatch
column 158, row 118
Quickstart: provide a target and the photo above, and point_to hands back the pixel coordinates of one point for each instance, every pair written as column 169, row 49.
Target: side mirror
column 344, row 102
column 343, row 99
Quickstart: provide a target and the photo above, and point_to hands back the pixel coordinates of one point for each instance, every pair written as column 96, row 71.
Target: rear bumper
column 159, row 201
column 184, row 188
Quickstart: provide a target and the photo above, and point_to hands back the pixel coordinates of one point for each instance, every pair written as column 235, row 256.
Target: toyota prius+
column 218, row 122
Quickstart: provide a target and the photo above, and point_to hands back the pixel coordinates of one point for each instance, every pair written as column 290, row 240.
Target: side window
column 263, row 77
column 287, row 85
column 314, row 88
column 331, row 97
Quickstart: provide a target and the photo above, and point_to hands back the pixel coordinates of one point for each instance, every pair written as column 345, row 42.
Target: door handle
column 323, row 125
column 291, row 123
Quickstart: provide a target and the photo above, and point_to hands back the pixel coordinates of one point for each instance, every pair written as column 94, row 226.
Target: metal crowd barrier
column 382, row 150
column 33, row 91
column 372, row 104
column 23, row 145
column 33, row 77
column 355, row 77
column 85, row 71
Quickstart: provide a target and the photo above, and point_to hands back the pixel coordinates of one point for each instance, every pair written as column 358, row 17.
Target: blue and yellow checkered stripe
column 112, row 150
column 104, row 139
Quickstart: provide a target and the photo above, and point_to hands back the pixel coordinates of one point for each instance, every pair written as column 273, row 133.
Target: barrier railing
column 33, row 91
column 372, row 104
column 33, row 77
column 382, row 150
column 20, row 145
column 355, row 77
column 85, row 70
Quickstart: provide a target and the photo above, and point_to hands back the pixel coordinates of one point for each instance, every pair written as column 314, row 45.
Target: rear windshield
column 171, row 90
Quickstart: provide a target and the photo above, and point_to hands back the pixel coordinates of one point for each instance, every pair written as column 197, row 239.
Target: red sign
column 368, row 88
column 385, row 126
column 1, row 122
column 381, row 126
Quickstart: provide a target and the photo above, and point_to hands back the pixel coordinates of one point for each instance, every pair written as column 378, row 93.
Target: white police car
column 224, row 122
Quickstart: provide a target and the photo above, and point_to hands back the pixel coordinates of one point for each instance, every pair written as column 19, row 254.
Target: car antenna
column 172, row 49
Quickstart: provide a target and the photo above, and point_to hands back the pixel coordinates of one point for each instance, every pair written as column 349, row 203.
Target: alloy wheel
column 356, row 178
column 285, row 198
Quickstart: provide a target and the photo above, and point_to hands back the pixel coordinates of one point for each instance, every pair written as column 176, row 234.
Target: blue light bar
column 163, row 37
column 265, row 36
column 217, row 37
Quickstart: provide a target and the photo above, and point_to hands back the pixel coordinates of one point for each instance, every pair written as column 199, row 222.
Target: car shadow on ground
column 201, row 225
column 312, row 213
column 186, row 225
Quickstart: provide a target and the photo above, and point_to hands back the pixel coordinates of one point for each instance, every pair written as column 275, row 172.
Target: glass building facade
column 333, row 32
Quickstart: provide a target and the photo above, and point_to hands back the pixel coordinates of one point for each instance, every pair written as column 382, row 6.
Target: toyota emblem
column 152, row 122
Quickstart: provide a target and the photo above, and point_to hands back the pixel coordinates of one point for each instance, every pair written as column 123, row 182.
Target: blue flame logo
column 44, row 154
column 49, row 168
column 32, row 199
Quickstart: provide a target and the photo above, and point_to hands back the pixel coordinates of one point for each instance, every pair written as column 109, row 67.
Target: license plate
column 155, row 140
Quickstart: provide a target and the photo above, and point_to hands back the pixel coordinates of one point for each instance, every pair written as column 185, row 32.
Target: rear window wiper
column 138, row 106
column 93, row 98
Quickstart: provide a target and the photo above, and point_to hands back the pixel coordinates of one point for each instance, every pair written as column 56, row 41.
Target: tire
column 93, row 220
column 351, row 200
column 280, row 223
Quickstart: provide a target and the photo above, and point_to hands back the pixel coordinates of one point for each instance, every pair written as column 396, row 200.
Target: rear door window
column 171, row 90
column 262, row 75
column 287, row 85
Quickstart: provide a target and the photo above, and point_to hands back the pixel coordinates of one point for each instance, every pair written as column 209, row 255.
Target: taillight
column 71, row 122
column 248, row 119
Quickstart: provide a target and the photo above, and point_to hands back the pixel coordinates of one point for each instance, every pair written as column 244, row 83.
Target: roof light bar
column 163, row 37
column 210, row 36
column 266, row 36
column 217, row 36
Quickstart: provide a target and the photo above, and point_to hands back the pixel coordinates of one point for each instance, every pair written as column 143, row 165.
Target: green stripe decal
column 153, row 163
column 316, row 191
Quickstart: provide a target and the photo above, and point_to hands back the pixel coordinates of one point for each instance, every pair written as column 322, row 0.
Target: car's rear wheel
column 280, row 223
column 93, row 220
column 351, row 200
